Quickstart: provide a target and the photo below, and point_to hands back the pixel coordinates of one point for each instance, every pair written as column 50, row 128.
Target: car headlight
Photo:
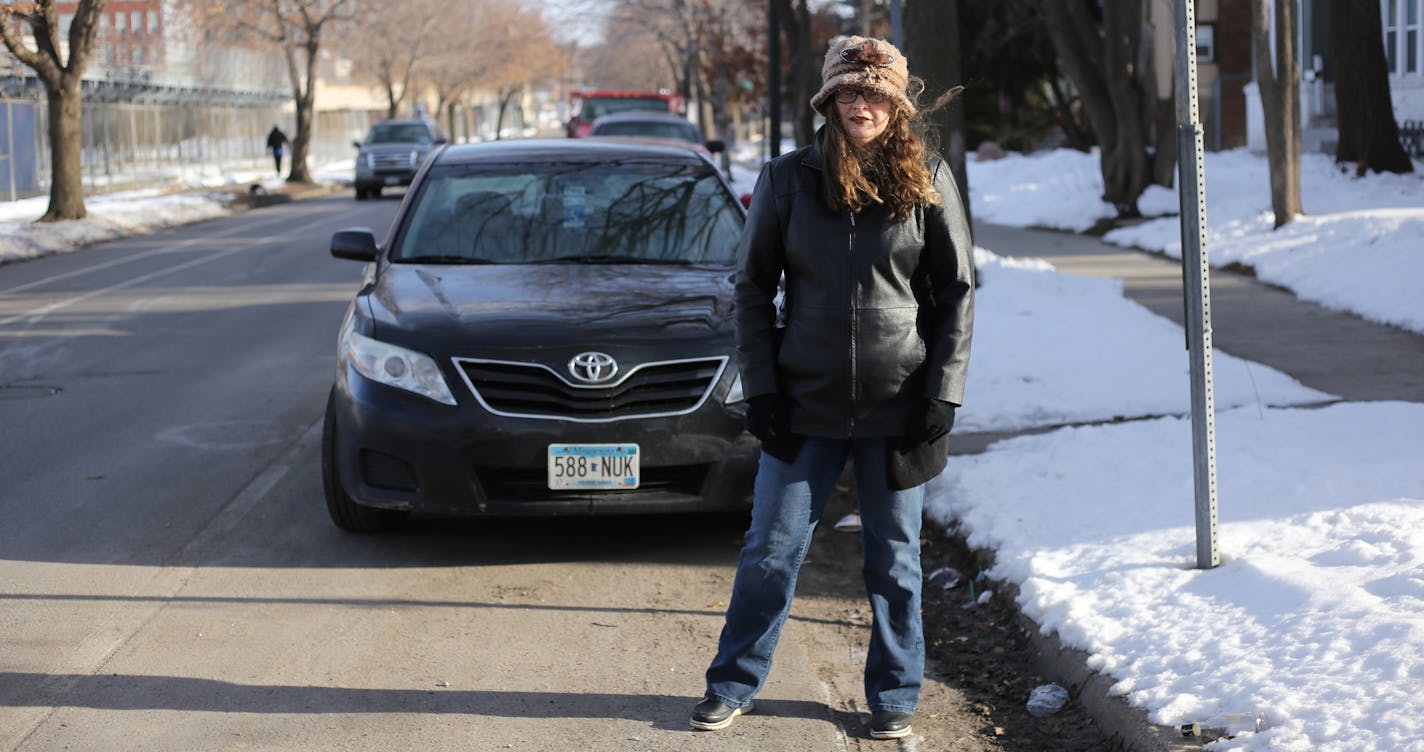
column 398, row 367
column 734, row 392
column 414, row 158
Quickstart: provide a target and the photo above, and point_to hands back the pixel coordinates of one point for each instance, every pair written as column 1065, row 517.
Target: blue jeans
column 788, row 503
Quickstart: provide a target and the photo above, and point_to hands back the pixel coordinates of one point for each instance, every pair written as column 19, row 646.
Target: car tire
column 345, row 512
column 360, row 194
column 376, row 192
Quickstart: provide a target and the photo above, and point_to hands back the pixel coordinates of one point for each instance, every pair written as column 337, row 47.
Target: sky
column 1315, row 617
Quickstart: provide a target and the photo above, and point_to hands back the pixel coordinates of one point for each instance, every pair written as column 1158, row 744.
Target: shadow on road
column 132, row 692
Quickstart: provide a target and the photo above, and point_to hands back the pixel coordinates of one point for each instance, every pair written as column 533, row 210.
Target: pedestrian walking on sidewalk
column 868, row 228
column 277, row 144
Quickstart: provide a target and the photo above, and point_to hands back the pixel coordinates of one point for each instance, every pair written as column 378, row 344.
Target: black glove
column 767, row 416
column 935, row 419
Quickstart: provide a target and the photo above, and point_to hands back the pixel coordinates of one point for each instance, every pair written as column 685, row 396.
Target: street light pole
column 1195, row 284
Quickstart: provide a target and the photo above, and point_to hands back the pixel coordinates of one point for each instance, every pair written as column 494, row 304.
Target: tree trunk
column 66, row 189
column 1279, row 82
column 932, row 45
column 1164, row 159
column 306, row 106
column 1369, row 135
column 504, row 98
column 805, row 78
column 1101, row 60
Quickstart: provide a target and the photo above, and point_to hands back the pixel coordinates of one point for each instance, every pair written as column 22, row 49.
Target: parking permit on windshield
column 575, row 200
column 582, row 467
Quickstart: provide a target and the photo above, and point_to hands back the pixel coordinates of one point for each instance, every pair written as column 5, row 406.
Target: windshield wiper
column 608, row 258
column 446, row 259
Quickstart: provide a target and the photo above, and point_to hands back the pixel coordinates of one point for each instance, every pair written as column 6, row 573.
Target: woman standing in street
column 869, row 231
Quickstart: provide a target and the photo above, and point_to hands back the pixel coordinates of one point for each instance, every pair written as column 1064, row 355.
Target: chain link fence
column 145, row 144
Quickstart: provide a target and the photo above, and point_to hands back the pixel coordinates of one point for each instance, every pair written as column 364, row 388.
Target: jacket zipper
column 854, row 322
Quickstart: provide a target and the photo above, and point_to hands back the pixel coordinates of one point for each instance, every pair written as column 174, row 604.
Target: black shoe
column 889, row 724
column 712, row 714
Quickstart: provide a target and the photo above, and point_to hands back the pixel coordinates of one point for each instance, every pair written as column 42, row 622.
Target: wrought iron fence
column 1411, row 137
column 145, row 144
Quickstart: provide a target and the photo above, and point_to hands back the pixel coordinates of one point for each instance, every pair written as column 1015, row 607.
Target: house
column 1403, row 31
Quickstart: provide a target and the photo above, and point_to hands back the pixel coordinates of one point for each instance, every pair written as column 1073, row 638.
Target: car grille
column 513, row 484
column 530, row 390
column 391, row 162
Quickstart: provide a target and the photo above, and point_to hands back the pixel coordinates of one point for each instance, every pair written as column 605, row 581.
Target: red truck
column 589, row 106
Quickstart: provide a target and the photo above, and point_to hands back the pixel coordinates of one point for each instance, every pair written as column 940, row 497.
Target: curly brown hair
column 893, row 170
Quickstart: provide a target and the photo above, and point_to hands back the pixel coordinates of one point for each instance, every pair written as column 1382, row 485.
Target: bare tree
column 637, row 61
column 453, row 68
column 932, row 45
column 1099, row 50
column 1369, row 135
column 1278, row 77
column 60, row 74
column 801, row 52
column 516, row 49
column 296, row 27
column 386, row 42
column 732, row 36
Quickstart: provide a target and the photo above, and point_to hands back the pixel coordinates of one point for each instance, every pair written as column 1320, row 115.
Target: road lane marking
column 39, row 313
column 137, row 257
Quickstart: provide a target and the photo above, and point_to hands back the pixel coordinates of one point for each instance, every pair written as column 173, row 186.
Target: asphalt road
column 169, row 579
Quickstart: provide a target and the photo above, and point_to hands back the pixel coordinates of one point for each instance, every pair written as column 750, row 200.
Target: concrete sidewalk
column 1331, row 351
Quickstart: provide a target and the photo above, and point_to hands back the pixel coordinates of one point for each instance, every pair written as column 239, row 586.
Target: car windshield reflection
column 596, row 213
column 405, row 133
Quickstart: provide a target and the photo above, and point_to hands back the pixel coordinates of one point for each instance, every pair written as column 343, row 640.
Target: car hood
column 512, row 311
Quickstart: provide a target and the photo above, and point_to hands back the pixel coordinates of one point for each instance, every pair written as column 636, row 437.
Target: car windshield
column 596, row 107
column 398, row 133
column 651, row 128
column 628, row 212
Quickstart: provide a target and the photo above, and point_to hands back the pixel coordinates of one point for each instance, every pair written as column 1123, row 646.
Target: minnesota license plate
column 582, row 467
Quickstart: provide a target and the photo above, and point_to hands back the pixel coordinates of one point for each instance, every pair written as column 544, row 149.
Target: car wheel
column 344, row 511
column 360, row 194
column 376, row 192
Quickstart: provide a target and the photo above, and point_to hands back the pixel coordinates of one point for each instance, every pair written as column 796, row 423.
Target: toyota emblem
column 593, row 367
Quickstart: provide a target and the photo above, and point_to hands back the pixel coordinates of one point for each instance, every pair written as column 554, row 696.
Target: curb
column 1120, row 722
column 1125, row 726
column 256, row 197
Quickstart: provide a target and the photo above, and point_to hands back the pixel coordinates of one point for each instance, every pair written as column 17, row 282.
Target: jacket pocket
column 890, row 354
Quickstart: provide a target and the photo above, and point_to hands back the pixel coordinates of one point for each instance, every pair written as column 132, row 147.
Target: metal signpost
column 1195, row 285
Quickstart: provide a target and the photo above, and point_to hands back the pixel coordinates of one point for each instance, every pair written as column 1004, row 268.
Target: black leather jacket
column 878, row 312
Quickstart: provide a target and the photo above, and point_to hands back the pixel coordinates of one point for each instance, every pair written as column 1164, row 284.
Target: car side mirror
column 442, row 140
column 356, row 144
column 716, row 146
column 747, row 200
column 355, row 244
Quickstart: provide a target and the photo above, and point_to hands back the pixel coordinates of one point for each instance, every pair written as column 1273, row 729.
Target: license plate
column 392, row 179
column 582, row 467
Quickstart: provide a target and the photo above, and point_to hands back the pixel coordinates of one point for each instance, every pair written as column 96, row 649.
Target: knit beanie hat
column 861, row 63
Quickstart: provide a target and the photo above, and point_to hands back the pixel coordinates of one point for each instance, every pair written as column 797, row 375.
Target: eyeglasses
column 846, row 96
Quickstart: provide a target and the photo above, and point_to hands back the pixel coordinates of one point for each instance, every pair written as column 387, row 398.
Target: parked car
column 546, row 330
column 653, row 125
column 392, row 153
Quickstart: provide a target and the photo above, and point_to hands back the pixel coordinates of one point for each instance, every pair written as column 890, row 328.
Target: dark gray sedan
column 546, row 330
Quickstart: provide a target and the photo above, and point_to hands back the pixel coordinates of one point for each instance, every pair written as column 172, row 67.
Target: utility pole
column 1196, row 286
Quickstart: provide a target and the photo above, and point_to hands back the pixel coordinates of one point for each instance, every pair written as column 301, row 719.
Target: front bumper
column 384, row 179
column 396, row 450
